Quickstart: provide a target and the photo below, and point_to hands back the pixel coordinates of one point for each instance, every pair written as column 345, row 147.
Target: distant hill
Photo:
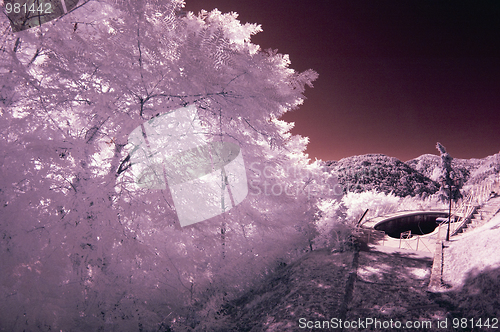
column 488, row 167
column 382, row 173
column 473, row 171
column 412, row 178
column 428, row 165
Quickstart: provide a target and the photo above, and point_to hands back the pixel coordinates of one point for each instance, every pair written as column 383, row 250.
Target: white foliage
column 81, row 247
column 357, row 203
column 329, row 224
column 233, row 30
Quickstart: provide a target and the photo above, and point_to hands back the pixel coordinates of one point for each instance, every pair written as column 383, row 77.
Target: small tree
column 448, row 178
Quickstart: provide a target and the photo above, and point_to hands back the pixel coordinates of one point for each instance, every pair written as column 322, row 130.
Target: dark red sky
column 395, row 76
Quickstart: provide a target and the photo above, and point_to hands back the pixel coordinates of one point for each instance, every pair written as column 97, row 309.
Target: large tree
column 81, row 245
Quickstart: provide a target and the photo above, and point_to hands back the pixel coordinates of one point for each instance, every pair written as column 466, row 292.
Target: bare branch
column 124, row 165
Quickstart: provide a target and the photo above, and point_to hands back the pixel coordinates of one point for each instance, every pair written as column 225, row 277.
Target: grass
column 373, row 283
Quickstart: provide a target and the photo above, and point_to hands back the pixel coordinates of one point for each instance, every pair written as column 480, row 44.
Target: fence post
column 418, row 238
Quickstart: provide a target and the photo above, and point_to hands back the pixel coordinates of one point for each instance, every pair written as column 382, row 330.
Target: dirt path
column 393, row 285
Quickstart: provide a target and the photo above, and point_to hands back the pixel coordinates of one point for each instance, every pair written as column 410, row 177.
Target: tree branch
column 124, row 165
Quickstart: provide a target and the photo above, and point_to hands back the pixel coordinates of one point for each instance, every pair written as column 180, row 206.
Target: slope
column 382, row 173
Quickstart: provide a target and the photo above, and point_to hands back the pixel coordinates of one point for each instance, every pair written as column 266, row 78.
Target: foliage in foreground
column 81, row 247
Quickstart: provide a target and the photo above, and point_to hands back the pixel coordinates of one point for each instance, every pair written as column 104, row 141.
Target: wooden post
column 364, row 214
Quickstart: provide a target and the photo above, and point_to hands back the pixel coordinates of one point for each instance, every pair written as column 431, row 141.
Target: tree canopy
column 80, row 243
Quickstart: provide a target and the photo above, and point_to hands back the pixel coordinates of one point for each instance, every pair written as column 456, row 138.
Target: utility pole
column 449, row 215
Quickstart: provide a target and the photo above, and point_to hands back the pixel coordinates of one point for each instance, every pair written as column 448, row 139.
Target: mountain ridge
column 415, row 177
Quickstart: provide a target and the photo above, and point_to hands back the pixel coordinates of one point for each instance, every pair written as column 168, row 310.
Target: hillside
column 381, row 283
column 428, row 165
column 471, row 265
column 473, row 170
column 488, row 167
column 382, row 173
column 416, row 177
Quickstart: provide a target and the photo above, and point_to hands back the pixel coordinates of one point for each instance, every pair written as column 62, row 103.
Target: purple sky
column 395, row 77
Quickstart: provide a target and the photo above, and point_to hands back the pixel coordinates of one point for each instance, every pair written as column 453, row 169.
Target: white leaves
column 76, row 108
column 223, row 34
column 357, row 203
column 233, row 29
